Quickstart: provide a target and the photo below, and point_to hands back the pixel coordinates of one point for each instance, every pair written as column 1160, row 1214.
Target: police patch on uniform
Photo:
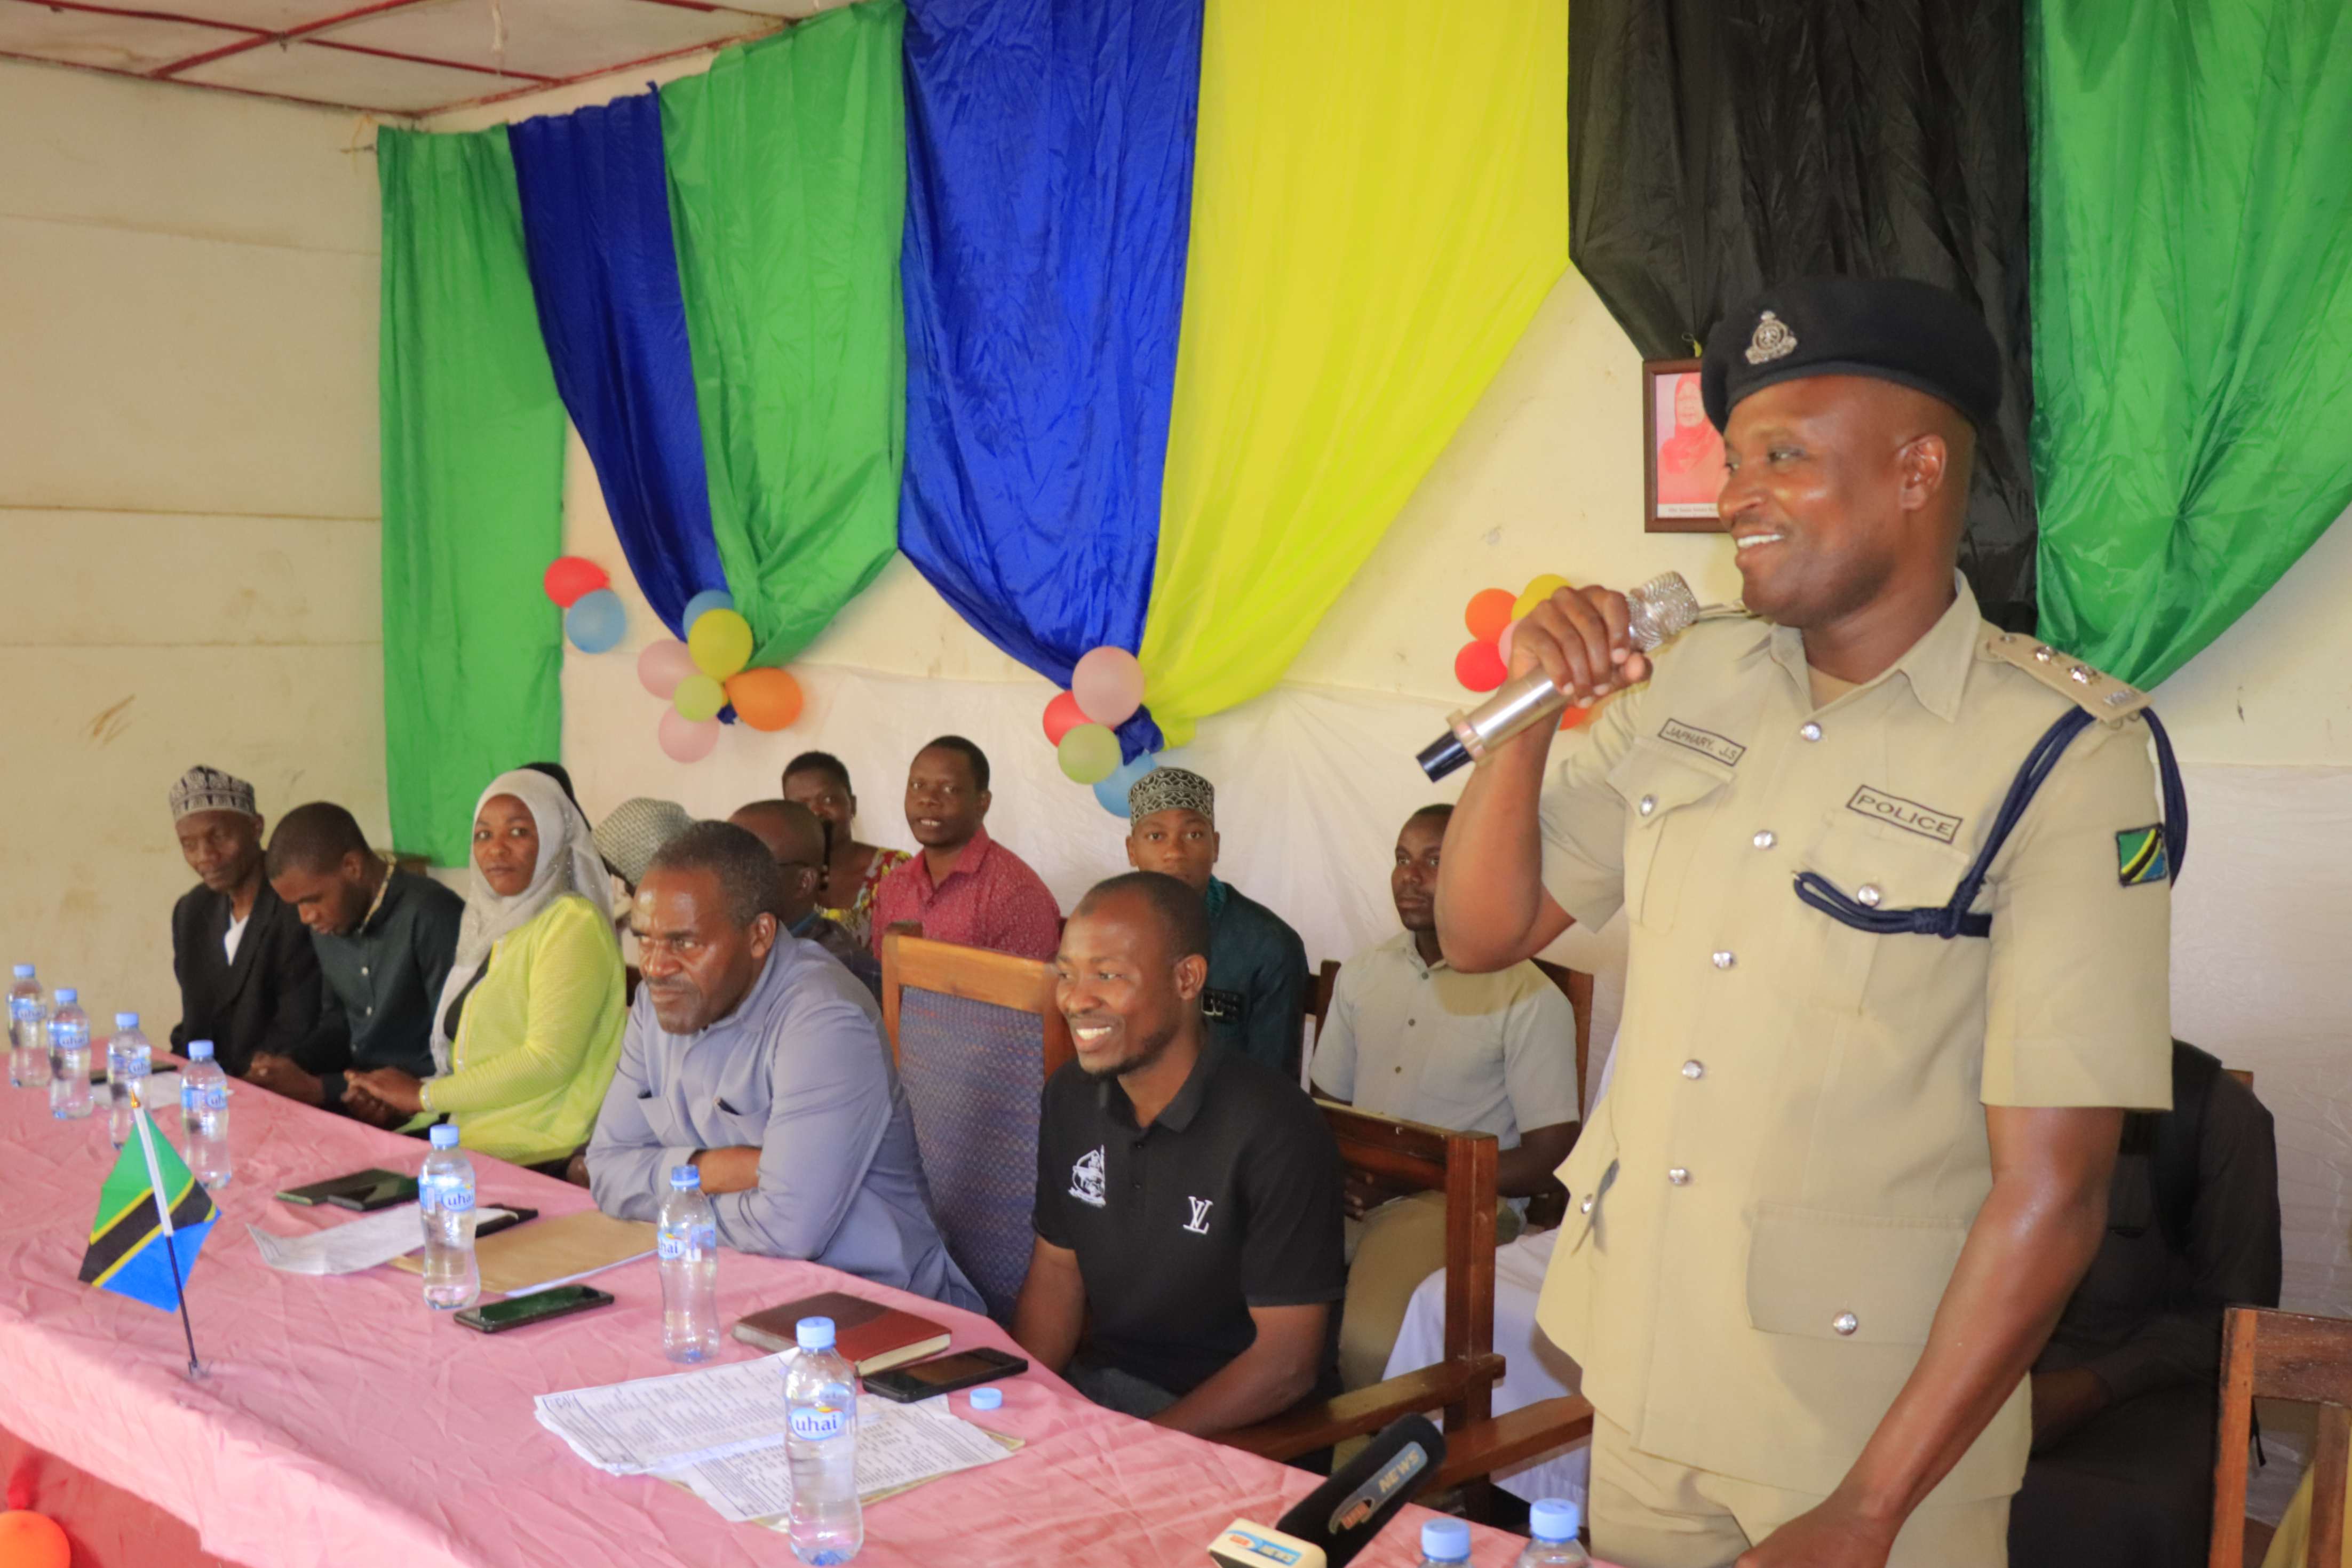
column 2140, row 857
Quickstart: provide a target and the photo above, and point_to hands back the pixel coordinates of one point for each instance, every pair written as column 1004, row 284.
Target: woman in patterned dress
column 818, row 781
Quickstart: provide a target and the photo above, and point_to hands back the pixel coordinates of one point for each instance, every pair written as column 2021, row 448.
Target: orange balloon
column 1489, row 613
column 1569, row 718
column 29, row 1540
column 767, row 699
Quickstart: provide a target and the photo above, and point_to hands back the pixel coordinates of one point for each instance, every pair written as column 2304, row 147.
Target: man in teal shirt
column 1256, row 1002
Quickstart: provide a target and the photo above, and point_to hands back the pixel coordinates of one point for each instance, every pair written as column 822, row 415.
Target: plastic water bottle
column 1444, row 1544
column 29, row 1047
column 444, row 1198
column 203, row 1114
column 820, row 1445
column 128, row 1060
column 1552, row 1525
column 70, row 1097
column 686, row 1237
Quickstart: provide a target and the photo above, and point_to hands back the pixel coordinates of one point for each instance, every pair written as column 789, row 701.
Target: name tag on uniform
column 1908, row 815
column 1222, row 1007
column 1706, row 742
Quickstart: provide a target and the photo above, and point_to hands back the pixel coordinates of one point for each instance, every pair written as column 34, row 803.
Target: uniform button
column 1845, row 1322
column 1649, row 804
column 1810, row 731
column 1397, row 1069
column 1724, row 960
column 1867, row 895
column 1410, row 1023
column 1585, row 1207
column 363, row 969
column 1764, row 839
column 1694, row 1068
column 1679, row 1176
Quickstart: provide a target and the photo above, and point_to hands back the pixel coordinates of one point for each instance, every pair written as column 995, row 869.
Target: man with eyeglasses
column 799, row 839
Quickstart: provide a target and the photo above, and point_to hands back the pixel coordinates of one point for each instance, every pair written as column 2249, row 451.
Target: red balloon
column 1569, row 718
column 1479, row 666
column 1062, row 715
column 569, row 576
column 1489, row 613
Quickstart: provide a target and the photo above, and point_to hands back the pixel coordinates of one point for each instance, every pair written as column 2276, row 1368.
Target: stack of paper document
column 550, row 1252
column 721, row 1432
column 347, row 1248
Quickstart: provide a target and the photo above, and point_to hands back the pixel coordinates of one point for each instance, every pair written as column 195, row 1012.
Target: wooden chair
column 975, row 1035
column 2268, row 1354
column 1461, row 1384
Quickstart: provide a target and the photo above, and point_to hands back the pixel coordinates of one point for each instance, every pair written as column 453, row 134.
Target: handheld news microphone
column 1659, row 609
column 1329, row 1525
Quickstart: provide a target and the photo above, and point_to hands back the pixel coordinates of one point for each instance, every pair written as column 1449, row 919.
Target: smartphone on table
column 520, row 1311
column 944, row 1374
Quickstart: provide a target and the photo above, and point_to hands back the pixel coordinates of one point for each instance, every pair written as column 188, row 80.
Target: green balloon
column 1088, row 754
column 698, row 697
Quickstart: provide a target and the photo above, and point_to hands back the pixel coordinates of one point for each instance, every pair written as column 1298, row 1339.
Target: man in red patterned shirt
column 964, row 887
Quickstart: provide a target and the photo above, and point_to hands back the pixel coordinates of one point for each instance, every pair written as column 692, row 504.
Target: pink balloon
column 1503, row 644
column 662, row 665
column 1108, row 684
column 686, row 739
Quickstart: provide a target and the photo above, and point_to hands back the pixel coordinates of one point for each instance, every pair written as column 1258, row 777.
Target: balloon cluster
column 593, row 617
column 1106, row 688
column 1491, row 615
column 706, row 673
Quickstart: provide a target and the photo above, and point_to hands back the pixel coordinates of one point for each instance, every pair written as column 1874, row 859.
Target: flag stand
column 170, row 1236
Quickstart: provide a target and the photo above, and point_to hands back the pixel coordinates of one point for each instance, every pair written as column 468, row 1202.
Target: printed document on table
column 346, row 1249
column 899, row 1445
column 658, row 1424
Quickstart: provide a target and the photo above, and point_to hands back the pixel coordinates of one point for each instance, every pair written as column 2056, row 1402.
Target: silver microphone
column 1657, row 610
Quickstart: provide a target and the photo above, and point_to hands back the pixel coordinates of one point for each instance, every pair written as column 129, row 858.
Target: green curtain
column 473, row 489
column 2192, row 312
column 788, row 189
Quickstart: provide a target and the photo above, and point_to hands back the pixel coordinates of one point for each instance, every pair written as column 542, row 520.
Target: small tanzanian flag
column 2140, row 857
column 127, row 1240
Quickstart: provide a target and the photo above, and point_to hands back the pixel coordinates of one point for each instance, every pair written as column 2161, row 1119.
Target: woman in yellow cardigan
column 528, row 1029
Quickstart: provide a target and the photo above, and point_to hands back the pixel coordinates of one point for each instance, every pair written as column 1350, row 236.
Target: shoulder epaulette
column 2094, row 692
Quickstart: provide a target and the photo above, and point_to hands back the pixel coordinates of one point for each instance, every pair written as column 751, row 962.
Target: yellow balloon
column 698, row 697
column 720, row 642
column 1538, row 590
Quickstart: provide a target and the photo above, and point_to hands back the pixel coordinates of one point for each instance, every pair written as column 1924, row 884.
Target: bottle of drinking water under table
column 687, row 1237
column 1445, row 1544
column 70, row 1096
column 128, row 1060
column 28, row 1045
column 1551, row 1529
column 204, row 1115
column 820, row 1445
column 444, row 1198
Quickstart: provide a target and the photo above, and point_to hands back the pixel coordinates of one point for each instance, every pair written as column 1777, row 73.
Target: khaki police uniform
column 1770, row 1200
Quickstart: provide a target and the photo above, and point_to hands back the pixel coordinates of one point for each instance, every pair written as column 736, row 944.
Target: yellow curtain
column 1380, row 202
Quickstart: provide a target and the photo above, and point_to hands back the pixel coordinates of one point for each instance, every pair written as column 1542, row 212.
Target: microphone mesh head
column 1660, row 608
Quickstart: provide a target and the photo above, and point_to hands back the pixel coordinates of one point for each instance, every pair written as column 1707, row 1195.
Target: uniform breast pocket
column 1668, row 793
column 1871, row 1278
column 1880, row 868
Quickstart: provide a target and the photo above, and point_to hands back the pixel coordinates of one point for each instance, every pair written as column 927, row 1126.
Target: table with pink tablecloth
column 342, row 1422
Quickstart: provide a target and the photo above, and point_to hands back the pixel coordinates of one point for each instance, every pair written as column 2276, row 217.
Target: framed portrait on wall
column 1682, row 453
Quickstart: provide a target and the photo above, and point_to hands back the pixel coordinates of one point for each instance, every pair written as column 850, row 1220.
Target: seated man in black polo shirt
column 1187, row 1266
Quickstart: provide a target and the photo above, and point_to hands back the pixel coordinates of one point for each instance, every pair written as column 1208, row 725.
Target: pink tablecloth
column 342, row 1422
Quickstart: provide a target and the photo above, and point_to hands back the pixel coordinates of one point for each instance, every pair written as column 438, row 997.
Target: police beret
column 1891, row 328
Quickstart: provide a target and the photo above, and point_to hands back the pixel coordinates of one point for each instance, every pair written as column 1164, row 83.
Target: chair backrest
column 975, row 1035
column 1577, row 986
column 1325, row 979
column 2268, row 1354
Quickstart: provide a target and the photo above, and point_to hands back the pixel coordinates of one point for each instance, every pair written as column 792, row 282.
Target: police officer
column 1898, row 883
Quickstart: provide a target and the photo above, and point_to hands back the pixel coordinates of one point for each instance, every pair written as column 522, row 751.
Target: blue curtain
column 1049, row 189
column 595, row 211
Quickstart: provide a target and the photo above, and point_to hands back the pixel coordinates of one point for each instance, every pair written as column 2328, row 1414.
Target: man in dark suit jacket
column 249, row 977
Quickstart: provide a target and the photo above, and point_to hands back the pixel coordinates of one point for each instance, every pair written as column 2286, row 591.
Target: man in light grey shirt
column 757, row 1058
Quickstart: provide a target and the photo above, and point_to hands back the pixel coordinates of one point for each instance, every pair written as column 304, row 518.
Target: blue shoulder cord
column 1954, row 919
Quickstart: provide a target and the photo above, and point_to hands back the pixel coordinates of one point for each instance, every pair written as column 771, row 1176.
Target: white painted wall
column 188, row 538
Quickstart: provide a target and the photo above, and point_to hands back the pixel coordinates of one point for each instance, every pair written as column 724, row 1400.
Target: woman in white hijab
column 529, row 1026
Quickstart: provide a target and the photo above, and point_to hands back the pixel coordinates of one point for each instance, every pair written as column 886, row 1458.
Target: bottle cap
column 23, row 971
column 1555, row 1519
column 813, row 1334
column 1445, row 1540
column 68, row 995
column 126, row 1020
column 445, row 1135
column 987, row 1398
column 200, row 1050
column 686, row 1178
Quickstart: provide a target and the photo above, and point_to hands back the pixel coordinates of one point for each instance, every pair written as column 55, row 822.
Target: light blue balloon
column 1112, row 791
column 709, row 598
column 595, row 620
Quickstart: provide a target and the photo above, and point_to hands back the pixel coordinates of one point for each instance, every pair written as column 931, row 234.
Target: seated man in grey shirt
column 755, row 1057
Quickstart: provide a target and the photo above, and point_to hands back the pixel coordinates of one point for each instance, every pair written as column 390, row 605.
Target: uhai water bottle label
column 815, row 1423
column 672, row 1244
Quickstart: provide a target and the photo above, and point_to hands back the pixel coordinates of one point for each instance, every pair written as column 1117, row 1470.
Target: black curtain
column 1716, row 146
